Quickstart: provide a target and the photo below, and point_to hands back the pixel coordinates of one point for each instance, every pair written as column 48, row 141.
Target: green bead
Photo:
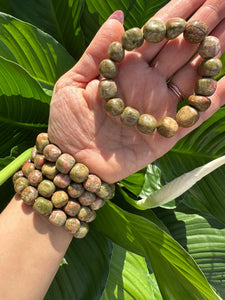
column 43, row 206
column 72, row 208
column 17, row 175
column 195, row 32
column 209, row 47
column 132, row 38
column 59, row 199
column 29, row 194
column 97, row 204
column 79, row 173
column 201, row 103
column 87, row 198
column 205, row 87
column 75, row 190
column 146, row 124
column 107, row 191
column 20, row 184
column 108, row 68
column 107, row 89
column 49, row 170
column 64, row 163
column 116, row 52
column 41, row 142
column 187, row 116
column 167, row 127
column 84, row 214
column 82, row 231
column 46, row 188
column 174, row 27
column 91, row 217
column 210, row 67
column 72, row 225
column 57, row 217
column 114, row 106
column 130, row 116
column 154, row 31
column 28, row 168
column 93, row 183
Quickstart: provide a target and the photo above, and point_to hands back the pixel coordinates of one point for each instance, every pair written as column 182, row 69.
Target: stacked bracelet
column 155, row 31
column 59, row 187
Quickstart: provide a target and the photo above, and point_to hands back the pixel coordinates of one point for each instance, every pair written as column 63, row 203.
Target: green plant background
column 172, row 252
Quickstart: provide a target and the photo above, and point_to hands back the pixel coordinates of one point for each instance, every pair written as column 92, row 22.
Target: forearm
column 30, row 247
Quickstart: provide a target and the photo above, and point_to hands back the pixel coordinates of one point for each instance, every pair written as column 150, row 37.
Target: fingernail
column 117, row 15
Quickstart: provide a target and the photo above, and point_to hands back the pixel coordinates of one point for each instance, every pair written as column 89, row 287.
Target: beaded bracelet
column 155, row 31
column 59, row 187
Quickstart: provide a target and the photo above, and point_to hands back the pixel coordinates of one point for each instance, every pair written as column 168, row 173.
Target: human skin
column 79, row 125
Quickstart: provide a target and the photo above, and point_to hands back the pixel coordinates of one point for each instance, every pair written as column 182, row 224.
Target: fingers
column 87, row 67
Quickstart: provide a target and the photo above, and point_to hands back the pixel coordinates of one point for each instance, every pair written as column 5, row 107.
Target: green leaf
column 129, row 278
column 170, row 262
column 37, row 52
column 85, row 272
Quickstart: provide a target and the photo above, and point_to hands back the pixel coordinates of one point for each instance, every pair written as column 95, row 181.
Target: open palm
column 78, row 123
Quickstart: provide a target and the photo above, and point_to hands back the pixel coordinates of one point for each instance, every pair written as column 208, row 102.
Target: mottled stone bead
column 205, row 87
column 62, row 180
column 167, row 127
column 34, row 152
column 72, row 208
column 187, row 116
column 57, row 217
column 107, row 88
column 46, row 188
column 174, row 27
column 75, row 190
column 79, row 173
column 107, row 191
column 146, row 124
column 20, row 184
column 114, row 106
column 43, row 206
column 195, row 32
column 210, row 67
column 116, row 51
column 97, row 204
column 132, row 38
column 65, row 162
column 39, row 161
column 87, row 198
column 130, row 116
column 51, row 152
column 201, row 103
column 108, row 68
column 209, row 47
column 84, row 214
column 82, row 231
column 49, row 170
column 35, row 177
column 59, row 199
column 29, row 194
column 92, row 217
column 17, row 175
column 93, row 183
column 41, row 142
column 154, row 31
column 72, row 225
column 28, row 168
column 27, row 161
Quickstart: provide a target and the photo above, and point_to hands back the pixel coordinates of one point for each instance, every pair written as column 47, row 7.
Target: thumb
column 86, row 68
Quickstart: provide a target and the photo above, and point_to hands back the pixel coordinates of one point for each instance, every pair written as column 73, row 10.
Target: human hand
column 78, row 123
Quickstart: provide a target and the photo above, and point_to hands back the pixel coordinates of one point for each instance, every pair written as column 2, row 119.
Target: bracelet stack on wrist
column 60, row 188
column 155, row 31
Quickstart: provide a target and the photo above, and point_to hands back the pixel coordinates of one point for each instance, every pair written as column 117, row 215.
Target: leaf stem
column 11, row 168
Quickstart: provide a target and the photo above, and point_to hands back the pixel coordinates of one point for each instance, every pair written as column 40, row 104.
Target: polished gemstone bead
column 85, row 213
column 72, row 225
column 97, row 204
column 79, row 173
column 107, row 89
column 108, row 68
column 64, row 163
column 146, row 123
column 46, row 188
column 187, row 116
column 51, row 152
column 91, row 217
column 174, row 27
column 39, row 161
column 20, row 184
column 195, row 32
column 62, row 180
column 167, row 127
column 132, row 38
column 107, row 191
column 17, row 175
column 41, row 141
column 75, row 190
column 59, row 199
column 93, row 183
column 57, row 217
column 201, row 103
column 29, row 194
column 205, row 87
column 28, row 168
column 130, row 116
column 209, row 47
column 116, row 52
column 43, row 206
column 35, row 177
column 87, row 198
column 49, row 170
column 82, row 231
column 114, row 106
column 154, row 31
column 72, row 208
column 210, row 67
column 34, row 152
